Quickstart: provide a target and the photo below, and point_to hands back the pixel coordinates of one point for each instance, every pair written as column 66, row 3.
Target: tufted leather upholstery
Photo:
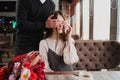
column 95, row 55
column 75, row 37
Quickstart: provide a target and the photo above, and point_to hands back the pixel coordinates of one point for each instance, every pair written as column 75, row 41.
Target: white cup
column 85, row 75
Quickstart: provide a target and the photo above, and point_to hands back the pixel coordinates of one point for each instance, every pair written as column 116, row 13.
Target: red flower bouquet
column 26, row 67
column 3, row 73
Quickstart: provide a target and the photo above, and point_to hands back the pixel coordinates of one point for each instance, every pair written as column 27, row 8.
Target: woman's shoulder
column 43, row 41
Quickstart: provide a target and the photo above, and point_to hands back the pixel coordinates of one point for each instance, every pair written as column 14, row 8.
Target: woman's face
column 60, row 27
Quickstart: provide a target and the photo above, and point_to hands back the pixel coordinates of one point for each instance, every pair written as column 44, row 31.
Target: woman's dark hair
column 50, row 30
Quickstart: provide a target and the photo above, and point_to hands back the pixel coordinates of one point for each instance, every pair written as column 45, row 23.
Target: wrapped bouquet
column 26, row 67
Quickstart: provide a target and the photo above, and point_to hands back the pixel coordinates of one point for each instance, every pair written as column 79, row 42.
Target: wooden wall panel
column 113, row 20
column 91, row 12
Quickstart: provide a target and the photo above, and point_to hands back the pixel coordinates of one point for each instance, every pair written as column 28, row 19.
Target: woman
column 31, row 23
column 58, row 50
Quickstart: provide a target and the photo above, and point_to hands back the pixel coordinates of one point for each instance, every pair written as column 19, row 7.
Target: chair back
column 97, row 54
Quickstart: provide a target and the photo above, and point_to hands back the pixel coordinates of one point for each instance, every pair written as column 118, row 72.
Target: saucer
column 85, row 75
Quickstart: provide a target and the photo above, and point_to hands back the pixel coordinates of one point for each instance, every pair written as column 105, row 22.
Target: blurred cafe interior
column 96, row 31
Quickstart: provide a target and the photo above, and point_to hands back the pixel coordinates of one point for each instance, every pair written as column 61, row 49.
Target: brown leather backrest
column 75, row 37
column 95, row 55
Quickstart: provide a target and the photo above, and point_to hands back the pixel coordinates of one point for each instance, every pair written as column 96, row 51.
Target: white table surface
column 97, row 75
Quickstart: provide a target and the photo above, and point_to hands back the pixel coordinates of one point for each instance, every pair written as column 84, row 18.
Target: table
column 106, row 75
column 97, row 75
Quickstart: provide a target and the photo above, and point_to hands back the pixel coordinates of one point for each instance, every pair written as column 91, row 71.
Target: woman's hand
column 68, row 30
column 52, row 23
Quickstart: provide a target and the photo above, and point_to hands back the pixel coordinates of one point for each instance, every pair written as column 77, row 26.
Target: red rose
column 3, row 73
column 33, row 76
column 42, row 64
column 27, row 64
column 40, row 73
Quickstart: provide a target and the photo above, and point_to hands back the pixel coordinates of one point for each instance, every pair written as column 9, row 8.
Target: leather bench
column 97, row 54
